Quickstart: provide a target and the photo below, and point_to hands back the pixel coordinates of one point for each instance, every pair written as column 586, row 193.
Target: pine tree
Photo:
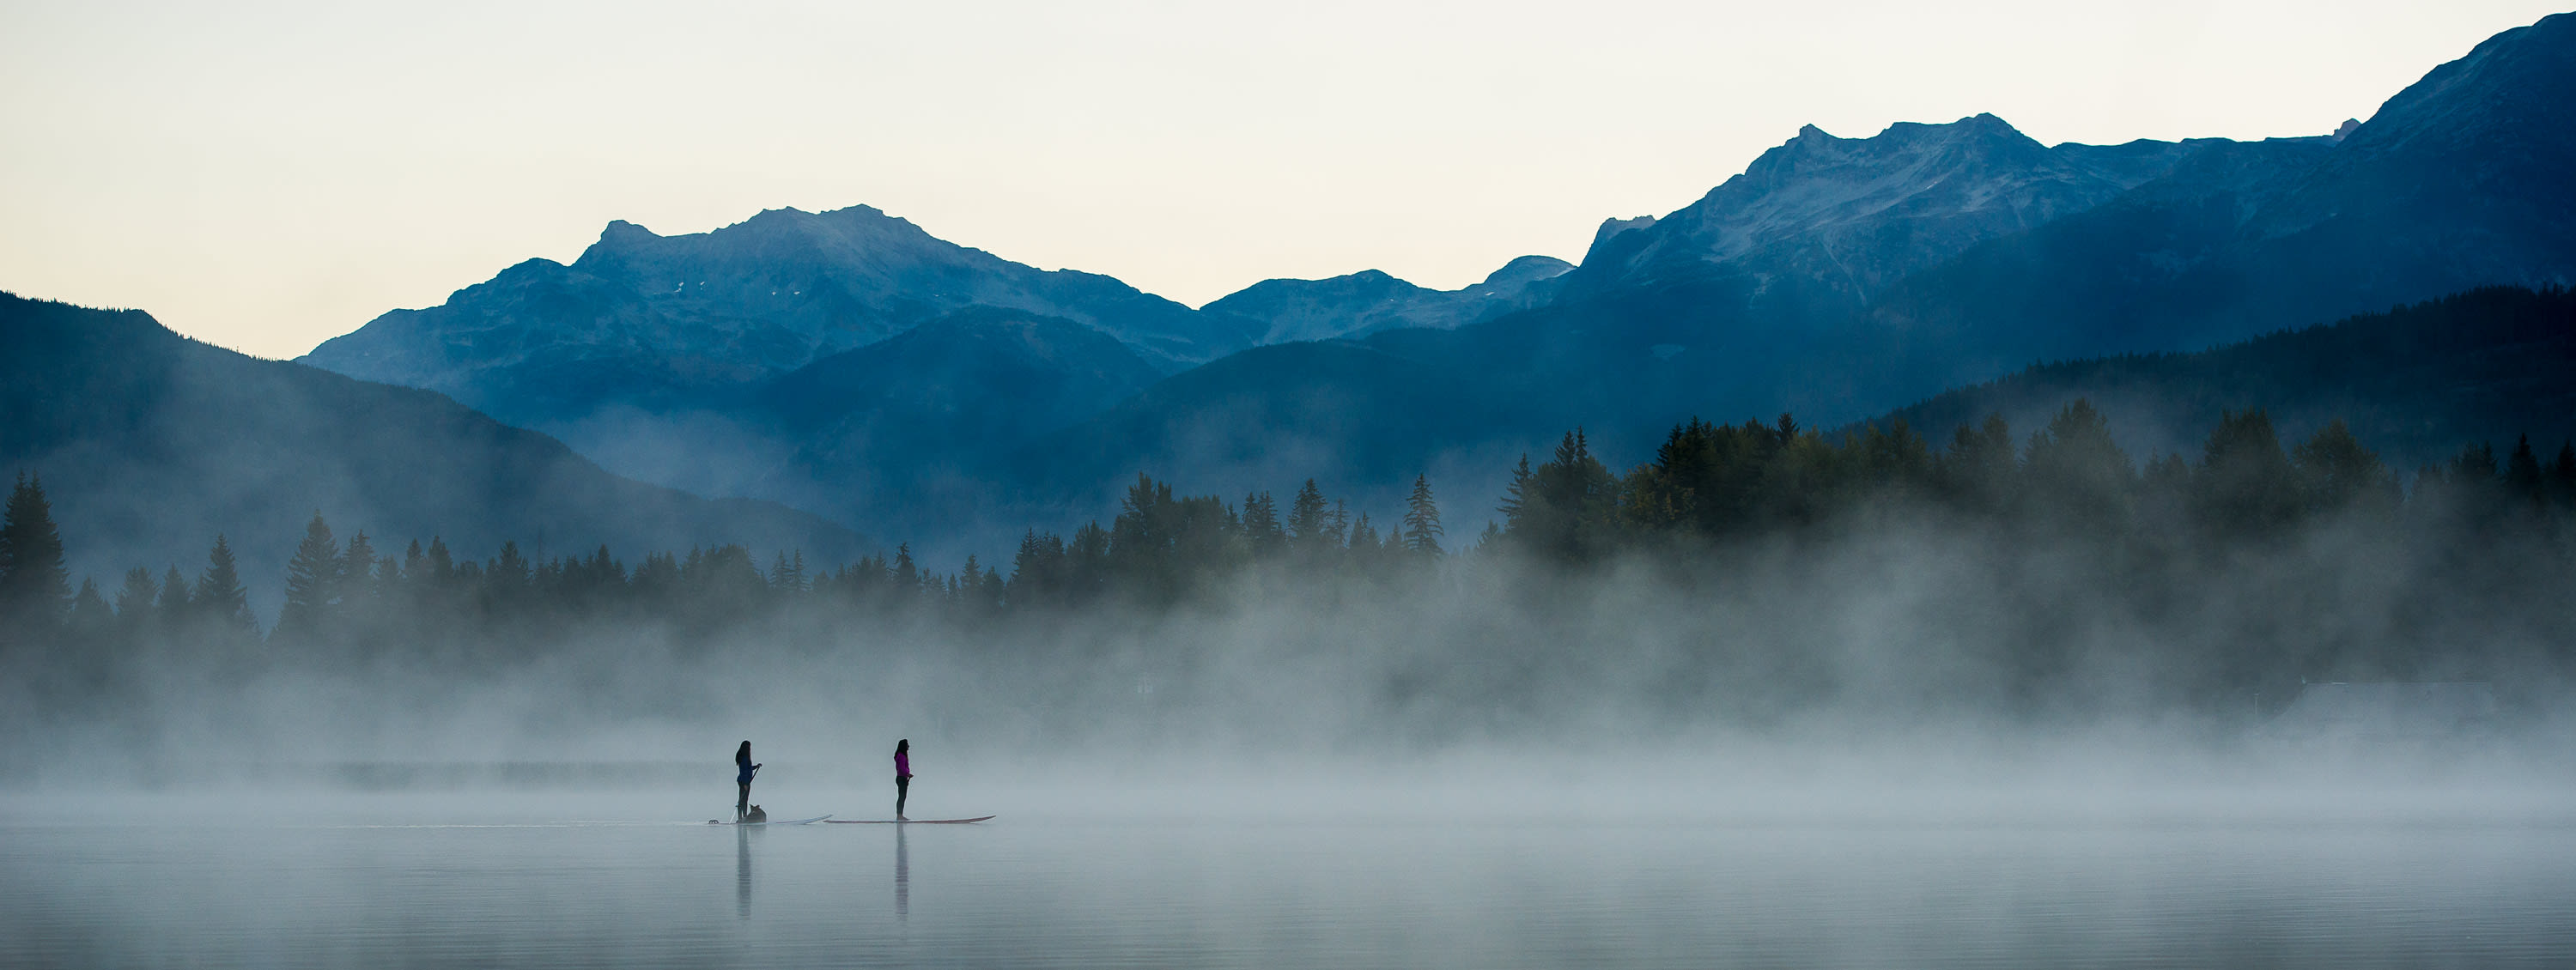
column 89, row 639
column 362, row 577
column 2077, row 476
column 172, row 604
column 2334, row 468
column 35, row 589
column 1422, row 518
column 2245, row 484
column 907, row 574
column 219, row 596
column 441, row 563
column 1516, row 498
column 508, row 573
column 1979, row 470
column 788, row 576
column 90, row 622
column 2522, row 478
column 1307, row 516
column 1086, row 562
column 312, row 581
column 1261, row 525
column 992, row 591
column 134, row 599
column 1566, row 506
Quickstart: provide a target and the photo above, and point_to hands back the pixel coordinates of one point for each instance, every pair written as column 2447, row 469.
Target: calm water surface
column 459, row 880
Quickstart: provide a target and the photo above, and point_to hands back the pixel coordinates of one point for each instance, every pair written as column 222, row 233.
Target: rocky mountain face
column 2461, row 180
column 1369, row 301
column 1838, row 278
column 1849, row 216
column 1834, row 278
column 665, row 322
column 149, row 444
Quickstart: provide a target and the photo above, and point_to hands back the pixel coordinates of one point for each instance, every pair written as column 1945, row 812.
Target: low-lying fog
column 1918, row 748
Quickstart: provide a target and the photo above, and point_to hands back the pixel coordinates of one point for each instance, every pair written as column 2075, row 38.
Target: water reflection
column 742, row 869
column 902, row 877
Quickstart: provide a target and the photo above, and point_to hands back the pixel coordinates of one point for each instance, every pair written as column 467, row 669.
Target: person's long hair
column 743, row 754
column 901, row 745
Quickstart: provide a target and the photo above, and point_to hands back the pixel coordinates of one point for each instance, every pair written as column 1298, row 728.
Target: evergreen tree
column 1086, row 562
column 658, row 578
column 1038, row 571
column 1516, row 499
column 2474, row 466
column 1261, row 526
column 89, row 640
column 2246, row 485
column 2522, row 478
column 172, row 605
column 788, row 575
column 134, row 599
column 35, row 589
column 2076, row 475
column 312, row 581
column 1363, row 535
column 992, row 593
column 219, row 596
column 1567, row 505
column 441, row 565
column 2335, row 470
column 1307, row 516
column 508, row 574
column 362, row 577
column 1979, row 471
column 907, row 575
column 90, row 621
column 1422, row 519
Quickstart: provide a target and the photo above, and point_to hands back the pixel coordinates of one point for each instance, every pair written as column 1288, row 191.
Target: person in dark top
column 744, row 769
column 902, row 775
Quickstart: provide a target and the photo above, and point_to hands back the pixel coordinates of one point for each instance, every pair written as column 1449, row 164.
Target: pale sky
column 267, row 175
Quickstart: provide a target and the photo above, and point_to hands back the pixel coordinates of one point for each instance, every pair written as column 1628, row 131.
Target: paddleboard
column 904, row 821
column 801, row 821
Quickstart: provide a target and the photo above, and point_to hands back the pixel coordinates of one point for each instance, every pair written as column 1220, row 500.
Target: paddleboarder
column 902, row 775
column 744, row 769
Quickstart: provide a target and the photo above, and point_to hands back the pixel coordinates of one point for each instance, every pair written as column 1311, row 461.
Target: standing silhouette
column 902, row 775
column 743, row 770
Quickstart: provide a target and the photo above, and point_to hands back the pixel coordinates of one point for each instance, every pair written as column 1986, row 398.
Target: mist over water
column 1745, row 859
column 1897, row 738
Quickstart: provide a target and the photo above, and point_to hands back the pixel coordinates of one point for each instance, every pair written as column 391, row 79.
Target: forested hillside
column 151, row 444
column 2415, row 381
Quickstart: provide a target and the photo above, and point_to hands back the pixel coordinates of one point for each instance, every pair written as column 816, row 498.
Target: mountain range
column 853, row 365
column 149, row 444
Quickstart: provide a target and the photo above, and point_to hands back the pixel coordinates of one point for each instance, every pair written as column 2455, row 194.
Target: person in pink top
column 902, row 775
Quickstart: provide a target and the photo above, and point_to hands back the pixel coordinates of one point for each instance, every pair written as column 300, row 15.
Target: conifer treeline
column 1708, row 486
column 1711, row 483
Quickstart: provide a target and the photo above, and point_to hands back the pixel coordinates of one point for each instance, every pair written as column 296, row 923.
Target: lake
column 636, row 879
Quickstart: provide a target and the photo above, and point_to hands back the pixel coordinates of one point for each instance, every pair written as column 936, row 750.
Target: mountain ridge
column 1833, row 277
column 151, row 443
